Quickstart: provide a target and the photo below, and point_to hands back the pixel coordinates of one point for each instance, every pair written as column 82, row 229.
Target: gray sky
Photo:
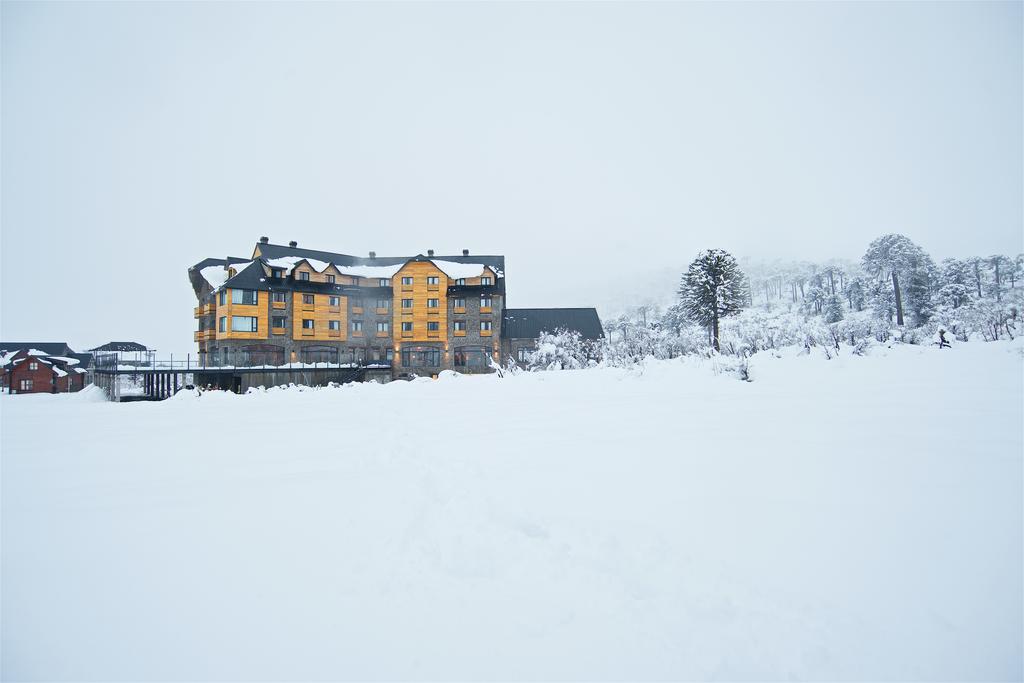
column 598, row 146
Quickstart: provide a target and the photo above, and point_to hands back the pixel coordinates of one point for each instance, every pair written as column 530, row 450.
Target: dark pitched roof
column 271, row 251
column 49, row 348
column 528, row 323
column 120, row 346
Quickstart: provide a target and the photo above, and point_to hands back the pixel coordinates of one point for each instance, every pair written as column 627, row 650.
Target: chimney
column 430, row 253
column 227, row 263
column 373, row 254
column 465, row 252
column 264, row 240
column 293, row 244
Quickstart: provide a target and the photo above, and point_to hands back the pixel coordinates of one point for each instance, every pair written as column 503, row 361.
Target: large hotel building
column 395, row 316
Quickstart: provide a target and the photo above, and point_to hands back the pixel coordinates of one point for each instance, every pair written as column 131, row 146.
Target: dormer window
column 384, row 282
column 330, row 279
column 304, row 276
column 486, row 280
column 277, row 272
column 460, row 281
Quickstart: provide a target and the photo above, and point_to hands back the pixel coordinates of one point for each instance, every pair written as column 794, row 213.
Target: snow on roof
column 37, row 353
column 60, row 373
column 65, row 359
column 289, row 263
column 457, row 271
column 215, row 275
column 371, row 271
column 80, row 371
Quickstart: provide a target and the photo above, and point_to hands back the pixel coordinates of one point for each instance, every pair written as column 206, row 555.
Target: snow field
column 852, row 519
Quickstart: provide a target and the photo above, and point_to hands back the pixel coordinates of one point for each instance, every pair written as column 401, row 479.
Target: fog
column 597, row 146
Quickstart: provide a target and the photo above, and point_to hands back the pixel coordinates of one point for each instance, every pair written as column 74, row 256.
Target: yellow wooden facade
column 420, row 313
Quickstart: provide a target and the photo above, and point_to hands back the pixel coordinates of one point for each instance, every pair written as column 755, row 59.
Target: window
column 334, row 301
column 433, row 280
column 307, row 299
column 244, row 323
column 307, row 324
column 222, row 324
column 471, row 357
column 406, row 327
column 357, row 303
column 383, row 303
column 406, row 303
column 433, row 326
column 406, row 281
column 383, row 327
column 330, row 279
column 485, row 280
column 421, row 356
column 460, row 281
column 460, row 325
column 223, row 297
column 304, row 276
column 460, row 303
column 243, row 296
column 280, row 297
column 276, row 272
column 522, row 353
column 432, row 303
column 26, row 385
column 485, row 301
column 320, row 354
column 485, row 325
column 389, row 355
column 384, row 282
column 279, row 322
column 33, row 365
column 334, row 325
column 357, row 325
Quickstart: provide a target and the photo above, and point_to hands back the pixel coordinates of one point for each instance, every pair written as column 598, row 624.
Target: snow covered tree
column 856, row 294
column 560, row 350
column 895, row 257
column 712, row 288
column 1000, row 266
column 833, row 309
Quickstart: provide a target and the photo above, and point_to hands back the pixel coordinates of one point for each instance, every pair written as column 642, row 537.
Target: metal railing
column 241, row 361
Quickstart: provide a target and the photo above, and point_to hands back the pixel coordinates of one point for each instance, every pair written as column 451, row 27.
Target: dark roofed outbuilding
column 49, row 348
column 112, row 347
column 528, row 323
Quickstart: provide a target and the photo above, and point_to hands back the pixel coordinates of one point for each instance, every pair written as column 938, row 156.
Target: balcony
column 382, row 311
column 205, row 309
column 201, row 335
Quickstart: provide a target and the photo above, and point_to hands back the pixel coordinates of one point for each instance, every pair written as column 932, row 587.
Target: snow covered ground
column 853, row 519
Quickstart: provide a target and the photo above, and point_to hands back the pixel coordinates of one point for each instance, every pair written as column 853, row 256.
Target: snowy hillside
column 855, row 518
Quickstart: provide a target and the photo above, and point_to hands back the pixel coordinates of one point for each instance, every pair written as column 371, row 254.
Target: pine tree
column 894, row 257
column 833, row 309
column 712, row 288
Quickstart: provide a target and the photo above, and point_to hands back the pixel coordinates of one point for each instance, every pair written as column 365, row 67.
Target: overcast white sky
column 598, row 146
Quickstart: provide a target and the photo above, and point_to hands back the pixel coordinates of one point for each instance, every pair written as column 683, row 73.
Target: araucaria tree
column 897, row 259
column 714, row 287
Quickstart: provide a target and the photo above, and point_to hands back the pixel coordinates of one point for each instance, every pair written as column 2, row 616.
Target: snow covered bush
column 562, row 350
